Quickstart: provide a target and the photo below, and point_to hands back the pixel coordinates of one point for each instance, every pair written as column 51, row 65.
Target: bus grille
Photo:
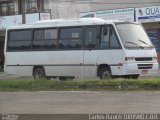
column 145, row 66
column 143, row 59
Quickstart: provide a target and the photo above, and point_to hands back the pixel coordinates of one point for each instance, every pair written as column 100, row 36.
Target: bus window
column 133, row 36
column 109, row 39
column 70, row 38
column 91, row 38
column 45, row 39
column 105, row 37
column 19, row 40
column 114, row 42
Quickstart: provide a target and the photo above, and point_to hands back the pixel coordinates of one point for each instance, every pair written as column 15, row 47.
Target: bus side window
column 91, row 38
column 38, row 42
column 114, row 42
column 109, row 39
column 45, row 39
column 105, row 37
column 70, row 38
column 19, row 40
column 51, row 38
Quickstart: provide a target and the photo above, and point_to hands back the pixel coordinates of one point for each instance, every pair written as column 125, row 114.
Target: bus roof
column 65, row 22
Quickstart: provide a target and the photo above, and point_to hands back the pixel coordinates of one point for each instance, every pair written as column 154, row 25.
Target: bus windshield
column 133, row 36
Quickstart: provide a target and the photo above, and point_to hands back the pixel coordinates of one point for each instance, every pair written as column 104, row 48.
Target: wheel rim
column 39, row 73
column 106, row 74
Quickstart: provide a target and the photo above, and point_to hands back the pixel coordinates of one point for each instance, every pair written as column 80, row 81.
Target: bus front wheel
column 105, row 73
column 39, row 73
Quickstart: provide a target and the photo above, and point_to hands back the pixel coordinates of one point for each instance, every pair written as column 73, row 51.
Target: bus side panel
column 90, row 61
column 18, row 63
column 56, row 63
column 20, row 70
column 65, row 63
column 113, row 58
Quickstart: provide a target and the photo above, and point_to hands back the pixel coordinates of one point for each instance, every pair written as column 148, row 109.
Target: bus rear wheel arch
column 39, row 72
column 104, row 72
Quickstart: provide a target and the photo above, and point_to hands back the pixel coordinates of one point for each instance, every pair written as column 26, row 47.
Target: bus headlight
column 129, row 58
column 154, row 58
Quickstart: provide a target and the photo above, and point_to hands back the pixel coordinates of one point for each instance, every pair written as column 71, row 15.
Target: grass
column 84, row 85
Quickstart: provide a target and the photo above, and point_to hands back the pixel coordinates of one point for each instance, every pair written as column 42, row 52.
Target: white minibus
column 80, row 48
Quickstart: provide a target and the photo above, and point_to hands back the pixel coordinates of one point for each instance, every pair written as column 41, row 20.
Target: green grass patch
column 85, row 85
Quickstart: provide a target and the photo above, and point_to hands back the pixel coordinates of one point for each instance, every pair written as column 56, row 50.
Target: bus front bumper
column 140, row 68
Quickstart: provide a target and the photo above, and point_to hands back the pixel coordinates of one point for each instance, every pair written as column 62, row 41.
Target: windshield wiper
column 131, row 43
column 142, row 41
column 145, row 43
column 137, row 46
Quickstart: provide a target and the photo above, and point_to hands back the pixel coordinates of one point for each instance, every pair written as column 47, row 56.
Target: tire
column 105, row 73
column 39, row 73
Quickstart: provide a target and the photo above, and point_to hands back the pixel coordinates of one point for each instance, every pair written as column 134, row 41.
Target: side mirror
column 105, row 31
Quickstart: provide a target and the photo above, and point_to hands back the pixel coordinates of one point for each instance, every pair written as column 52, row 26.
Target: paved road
column 79, row 102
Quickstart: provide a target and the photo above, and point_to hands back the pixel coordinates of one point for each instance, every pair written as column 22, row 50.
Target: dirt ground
column 4, row 76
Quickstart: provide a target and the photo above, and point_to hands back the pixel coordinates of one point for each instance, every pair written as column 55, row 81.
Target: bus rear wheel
column 105, row 73
column 39, row 73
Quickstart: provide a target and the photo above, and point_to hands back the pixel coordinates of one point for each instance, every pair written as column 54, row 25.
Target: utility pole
column 23, row 12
